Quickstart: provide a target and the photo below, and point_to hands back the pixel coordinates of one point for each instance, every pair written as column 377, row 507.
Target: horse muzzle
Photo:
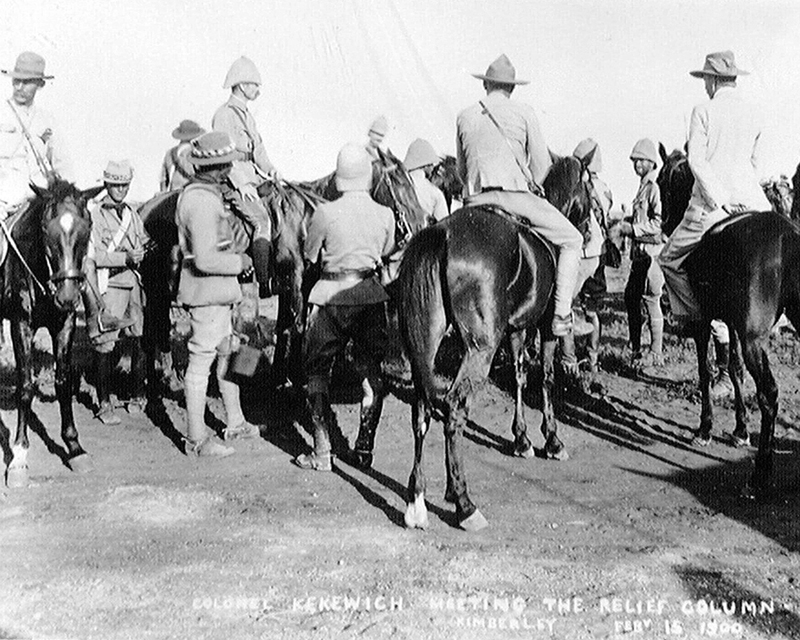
column 65, row 287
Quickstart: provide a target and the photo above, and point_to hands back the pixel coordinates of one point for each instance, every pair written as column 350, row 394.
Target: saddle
column 731, row 220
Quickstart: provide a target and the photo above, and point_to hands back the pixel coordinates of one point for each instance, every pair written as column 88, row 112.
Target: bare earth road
column 637, row 535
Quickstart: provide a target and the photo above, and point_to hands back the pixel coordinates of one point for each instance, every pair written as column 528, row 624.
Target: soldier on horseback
column 503, row 160
column 251, row 166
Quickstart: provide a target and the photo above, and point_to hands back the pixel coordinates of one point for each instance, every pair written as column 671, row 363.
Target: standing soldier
column 349, row 237
column 176, row 170
column 251, row 165
column 420, row 158
column 115, row 251
column 209, row 289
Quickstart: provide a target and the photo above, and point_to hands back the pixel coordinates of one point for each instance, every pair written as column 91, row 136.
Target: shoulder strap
column 240, row 114
column 44, row 165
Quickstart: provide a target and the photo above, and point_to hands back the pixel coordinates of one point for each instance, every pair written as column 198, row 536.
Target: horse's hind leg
column 554, row 449
column 473, row 371
column 702, row 332
column 416, row 515
column 522, row 445
column 755, row 357
column 739, row 437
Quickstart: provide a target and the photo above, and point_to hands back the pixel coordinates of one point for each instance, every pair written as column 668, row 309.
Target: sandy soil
column 637, row 535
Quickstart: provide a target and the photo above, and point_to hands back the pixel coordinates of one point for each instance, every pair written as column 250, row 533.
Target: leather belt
column 355, row 275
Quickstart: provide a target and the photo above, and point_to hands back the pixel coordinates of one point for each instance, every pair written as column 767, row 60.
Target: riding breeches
column 554, row 227
column 680, row 244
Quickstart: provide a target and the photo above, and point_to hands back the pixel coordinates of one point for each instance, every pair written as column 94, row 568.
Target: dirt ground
column 637, row 535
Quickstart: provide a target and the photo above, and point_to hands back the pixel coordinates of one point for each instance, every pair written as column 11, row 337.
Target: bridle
column 400, row 208
column 55, row 278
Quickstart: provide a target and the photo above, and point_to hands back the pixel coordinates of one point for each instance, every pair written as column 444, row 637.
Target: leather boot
column 371, row 408
column 106, row 411
column 260, row 249
column 320, row 459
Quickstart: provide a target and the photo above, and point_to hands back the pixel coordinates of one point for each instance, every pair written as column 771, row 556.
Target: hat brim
column 734, row 72
column 483, row 76
column 185, row 136
column 228, row 158
column 16, row 75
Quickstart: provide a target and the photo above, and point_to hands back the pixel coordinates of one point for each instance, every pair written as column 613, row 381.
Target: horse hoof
column 17, row 477
column 738, row 441
column 416, row 516
column 530, row 452
column 560, row 454
column 82, row 464
column 475, row 522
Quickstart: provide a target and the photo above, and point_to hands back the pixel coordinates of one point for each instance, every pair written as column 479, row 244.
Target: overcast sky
column 127, row 73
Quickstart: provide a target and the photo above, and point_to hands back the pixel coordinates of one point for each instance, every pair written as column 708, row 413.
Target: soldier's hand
column 249, row 192
column 247, row 265
column 133, row 257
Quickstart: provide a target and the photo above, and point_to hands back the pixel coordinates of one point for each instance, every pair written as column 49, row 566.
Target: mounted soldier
column 176, row 170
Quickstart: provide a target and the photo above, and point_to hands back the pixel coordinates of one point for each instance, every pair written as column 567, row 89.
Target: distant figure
column 375, row 136
column 30, row 147
column 646, row 281
column 251, row 165
column 116, row 249
column 420, row 161
column 502, row 160
column 176, row 170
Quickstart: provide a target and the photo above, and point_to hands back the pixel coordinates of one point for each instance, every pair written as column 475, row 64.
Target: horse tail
column 423, row 310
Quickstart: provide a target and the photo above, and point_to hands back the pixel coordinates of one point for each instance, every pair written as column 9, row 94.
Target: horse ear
column 587, row 159
column 662, row 151
column 554, row 157
column 88, row 194
column 40, row 192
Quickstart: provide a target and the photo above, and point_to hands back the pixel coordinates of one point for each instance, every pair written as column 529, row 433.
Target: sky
column 616, row 71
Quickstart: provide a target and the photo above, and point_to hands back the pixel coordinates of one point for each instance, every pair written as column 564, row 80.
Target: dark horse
column 444, row 176
column 41, row 287
column 291, row 206
column 485, row 274
column 746, row 272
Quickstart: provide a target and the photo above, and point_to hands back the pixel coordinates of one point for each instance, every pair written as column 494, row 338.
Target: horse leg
column 554, row 449
column 79, row 460
column 739, row 437
column 522, row 445
column 22, row 340
column 416, row 515
column 474, row 369
column 755, row 357
column 701, row 333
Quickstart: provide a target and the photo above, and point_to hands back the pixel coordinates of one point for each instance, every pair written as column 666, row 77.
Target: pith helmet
column 720, row 63
column 242, row 70
column 118, row 172
column 502, row 71
column 584, row 148
column 353, row 168
column 214, row 147
column 645, row 149
column 420, row 154
column 380, row 125
column 29, row 66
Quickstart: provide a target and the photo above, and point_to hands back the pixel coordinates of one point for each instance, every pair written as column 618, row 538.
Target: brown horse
column 41, row 286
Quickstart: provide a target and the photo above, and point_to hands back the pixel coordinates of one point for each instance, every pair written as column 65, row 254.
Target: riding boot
column 261, row 248
column 722, row 387
column 320, row 458
column 106, row 411
column 371, row 409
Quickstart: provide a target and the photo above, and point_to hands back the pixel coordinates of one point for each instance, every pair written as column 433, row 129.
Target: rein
column 12, row 243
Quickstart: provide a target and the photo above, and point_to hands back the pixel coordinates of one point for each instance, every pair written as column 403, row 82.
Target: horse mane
column 675, row 182
column 566, row 173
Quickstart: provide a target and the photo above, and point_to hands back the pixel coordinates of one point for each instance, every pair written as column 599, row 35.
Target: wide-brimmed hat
column 720, row 63
column 584, row 148
column 645, row 149
column 502, row 71
column 420, row 154
column 118, row 172
column 353, row 168
column 188, row 130
column 214, row 147
column 242, row 70
column 380, row 125
column 29, row 66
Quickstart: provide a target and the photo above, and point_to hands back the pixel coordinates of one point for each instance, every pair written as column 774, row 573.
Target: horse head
column 569, row 188
column 675, row 181
column 65, row 230
column 445, row 177
column 393, row 188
